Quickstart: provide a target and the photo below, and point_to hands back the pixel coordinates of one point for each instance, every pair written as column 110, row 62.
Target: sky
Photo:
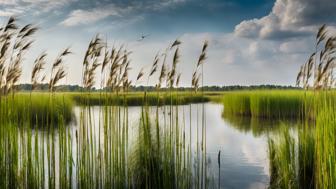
column 251, row 42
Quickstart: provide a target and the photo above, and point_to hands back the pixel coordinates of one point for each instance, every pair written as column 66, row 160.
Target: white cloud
column 8, row 2
column 47, row 5
column 296, row 46
column 289, row 18
column 157, row 5
column 78, row 17
column 20, row 7
column 86, row 16
column 10, row 12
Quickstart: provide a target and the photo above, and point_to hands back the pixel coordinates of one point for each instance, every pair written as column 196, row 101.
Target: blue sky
column 251, row 41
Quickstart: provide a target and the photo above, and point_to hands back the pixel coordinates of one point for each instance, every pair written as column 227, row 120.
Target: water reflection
column 242, row 142
column 244, row 162
column 257, row 126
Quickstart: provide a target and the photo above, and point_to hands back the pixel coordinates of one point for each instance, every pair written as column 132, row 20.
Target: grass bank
column 52, row 108
column 137, row 98
column 37, row 108
column 307, row 159
column 267, row 103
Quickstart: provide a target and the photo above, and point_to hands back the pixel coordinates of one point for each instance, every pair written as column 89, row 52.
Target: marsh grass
column 269, row 104
column 136, row 99
column 40, row 109
column 283, row 167
column 314, row 160
column 40, row 148
column 313, row 154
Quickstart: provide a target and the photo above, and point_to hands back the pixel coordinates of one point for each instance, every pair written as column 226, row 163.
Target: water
column 241, row 141
column 244, row 161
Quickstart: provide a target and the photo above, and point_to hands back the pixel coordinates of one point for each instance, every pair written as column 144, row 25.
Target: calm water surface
column 242, row 142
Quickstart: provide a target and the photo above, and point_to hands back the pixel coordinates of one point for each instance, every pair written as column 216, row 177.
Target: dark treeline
column 77, row 88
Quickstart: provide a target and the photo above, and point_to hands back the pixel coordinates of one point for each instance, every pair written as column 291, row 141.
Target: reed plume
column 106, row 60
column 118, row 74
column 125, row 82
column 172, row 73
column 175, row 43
column 196, row 75
column 202, row 57
column 39, row 64
column 320, row 64
column 140, row 74
column 154, row 65
column 57, row 70
column 91, row 62
column 163, row 71
column 60, row 74
column 14, row 43
column 309, row 70
column 321, row 34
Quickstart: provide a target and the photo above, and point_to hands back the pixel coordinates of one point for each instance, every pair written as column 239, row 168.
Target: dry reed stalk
column 14, row 43
column 91, row 62
column 321, row 64
column 176, row 59
column 57, row 70
column 39, row 64
column 195, row 80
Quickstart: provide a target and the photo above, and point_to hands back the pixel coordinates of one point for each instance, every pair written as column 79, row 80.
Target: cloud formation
column 289, row 18
column 244, row 56
column 19, row 7
column 79, row 16
column 87, row 16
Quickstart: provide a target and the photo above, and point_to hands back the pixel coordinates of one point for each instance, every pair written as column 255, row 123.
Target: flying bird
column 143, row 37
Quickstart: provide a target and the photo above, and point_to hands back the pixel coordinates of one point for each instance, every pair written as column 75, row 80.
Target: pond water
column 241, row 141
column 244, row 161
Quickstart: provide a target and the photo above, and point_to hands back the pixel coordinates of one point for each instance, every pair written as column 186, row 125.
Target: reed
column 313, row 152
column 36, row 109
column 41, row 148
column 314, row 158
column 283, row 161
column 267, row 104
column 136, row 99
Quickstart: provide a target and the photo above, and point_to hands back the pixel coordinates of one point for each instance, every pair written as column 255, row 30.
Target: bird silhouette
column 143, row 37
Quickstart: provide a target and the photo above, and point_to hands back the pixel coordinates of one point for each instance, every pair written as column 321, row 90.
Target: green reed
column 316, row 138
column 281, row 104
column 136, row 99
column 36, row 109
column 42, row 146
column 313, row 157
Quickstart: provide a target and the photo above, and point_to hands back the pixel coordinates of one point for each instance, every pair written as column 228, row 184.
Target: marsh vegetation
column 93, row 139
column 40, row 149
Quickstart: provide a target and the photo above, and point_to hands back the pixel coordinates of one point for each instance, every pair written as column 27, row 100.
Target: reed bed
column 102, row 149
column 41, row 109
column 311, row 149
column 136, row 99
column 307, row 159
column 269, row 104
